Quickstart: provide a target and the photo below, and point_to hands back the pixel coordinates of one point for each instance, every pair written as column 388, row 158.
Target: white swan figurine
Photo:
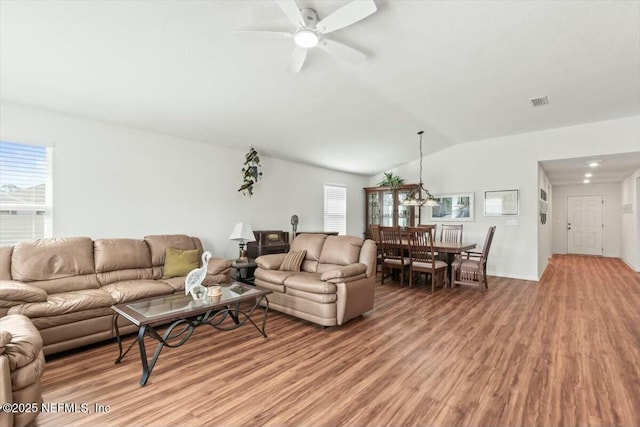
column 193, row 282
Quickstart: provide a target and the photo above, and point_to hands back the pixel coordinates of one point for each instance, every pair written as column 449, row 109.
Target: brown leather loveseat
column 332, row 281
column 66, row 286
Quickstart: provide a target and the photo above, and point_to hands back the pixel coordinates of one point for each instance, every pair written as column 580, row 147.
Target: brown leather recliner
column 21, row 366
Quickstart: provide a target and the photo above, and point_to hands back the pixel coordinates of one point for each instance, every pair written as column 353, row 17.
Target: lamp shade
column 242, row 232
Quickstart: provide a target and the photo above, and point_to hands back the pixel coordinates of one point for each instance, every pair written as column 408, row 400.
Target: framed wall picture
column 452, row 207
column 501, row 203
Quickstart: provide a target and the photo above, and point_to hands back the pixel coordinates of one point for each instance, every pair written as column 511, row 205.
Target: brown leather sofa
column 335, row 282
column 66, row 286
column 21, row 366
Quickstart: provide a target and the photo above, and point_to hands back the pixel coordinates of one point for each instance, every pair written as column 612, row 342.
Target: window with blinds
column 335, row 208
column 25, row 192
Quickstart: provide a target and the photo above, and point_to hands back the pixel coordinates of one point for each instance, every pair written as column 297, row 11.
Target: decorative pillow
column 178, row 262
column 293, row 261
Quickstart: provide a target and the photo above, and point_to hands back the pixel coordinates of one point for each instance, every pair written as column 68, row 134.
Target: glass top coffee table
column 184, row 314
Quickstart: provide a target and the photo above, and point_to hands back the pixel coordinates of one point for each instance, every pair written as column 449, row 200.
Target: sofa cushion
column 293, row 260
column 178, row 262
column 132, row 290
column 56, row 258
column 18, row 291
column 273, row 276
column 26, row 342
column 309, row 282
column 121, row 254
column 158, row 245
column 128, row 274
column 312, row 243
column 68, row 284
column 341, row 250
column 69, row 319
column 65, row 302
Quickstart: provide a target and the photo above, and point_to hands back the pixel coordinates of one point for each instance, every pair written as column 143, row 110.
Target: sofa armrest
column 6, row 395
column 13, row 293
column 270, row 261
column 344, row 272
column 219, row 266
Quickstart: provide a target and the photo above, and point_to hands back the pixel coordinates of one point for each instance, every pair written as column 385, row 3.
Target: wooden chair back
column 451, row 233
column 391, row 243
column 421, row 243
column 375, row 233
column 487, row 243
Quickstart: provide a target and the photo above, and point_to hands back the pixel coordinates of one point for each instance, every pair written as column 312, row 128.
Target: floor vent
column 539, row 102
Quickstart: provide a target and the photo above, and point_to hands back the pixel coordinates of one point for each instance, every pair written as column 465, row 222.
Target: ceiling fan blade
column 346, row 15
column 342, row 51
column 290, row 8
column 297, row 59
column 264, row 34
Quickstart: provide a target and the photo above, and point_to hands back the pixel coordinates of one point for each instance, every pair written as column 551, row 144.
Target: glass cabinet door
column 387, row 209
column 374, row 208
column 404, row 212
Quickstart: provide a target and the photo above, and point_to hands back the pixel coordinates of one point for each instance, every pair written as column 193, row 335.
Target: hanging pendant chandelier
column 420, row 196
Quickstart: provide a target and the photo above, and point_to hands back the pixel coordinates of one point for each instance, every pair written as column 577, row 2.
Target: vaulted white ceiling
column 462, row 71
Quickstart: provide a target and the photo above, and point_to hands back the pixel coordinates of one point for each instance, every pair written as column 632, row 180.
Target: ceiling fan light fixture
column 306, row 38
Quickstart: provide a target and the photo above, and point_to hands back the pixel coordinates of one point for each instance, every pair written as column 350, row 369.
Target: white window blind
column 335, row 208
column 25, row 192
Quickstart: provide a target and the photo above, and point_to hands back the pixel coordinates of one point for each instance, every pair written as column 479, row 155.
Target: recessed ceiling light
column 588, row 175
column 586, row 181
column 594, row 164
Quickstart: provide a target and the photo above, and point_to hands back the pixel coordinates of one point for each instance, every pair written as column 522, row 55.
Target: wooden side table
column 244, row 270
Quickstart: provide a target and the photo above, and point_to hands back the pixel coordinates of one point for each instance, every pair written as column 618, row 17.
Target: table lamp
column 243, row 233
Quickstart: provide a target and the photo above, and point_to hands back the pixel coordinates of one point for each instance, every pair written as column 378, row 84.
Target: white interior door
column 584, row 225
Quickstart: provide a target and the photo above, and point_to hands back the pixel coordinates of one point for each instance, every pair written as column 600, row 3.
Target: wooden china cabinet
column 384, row 207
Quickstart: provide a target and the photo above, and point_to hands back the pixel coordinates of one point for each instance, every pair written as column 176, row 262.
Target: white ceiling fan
column 310, row 32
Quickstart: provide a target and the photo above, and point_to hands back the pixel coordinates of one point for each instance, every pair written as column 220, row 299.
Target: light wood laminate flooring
column 564, row 351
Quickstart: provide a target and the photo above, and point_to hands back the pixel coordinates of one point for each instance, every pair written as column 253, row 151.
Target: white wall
column 612, row 210
column 113, row 181
column 630, row 222
column 511, row 162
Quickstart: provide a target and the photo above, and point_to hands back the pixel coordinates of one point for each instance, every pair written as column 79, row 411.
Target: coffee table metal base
column 180, row 330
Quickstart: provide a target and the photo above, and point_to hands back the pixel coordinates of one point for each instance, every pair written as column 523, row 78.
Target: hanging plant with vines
column 250, row 172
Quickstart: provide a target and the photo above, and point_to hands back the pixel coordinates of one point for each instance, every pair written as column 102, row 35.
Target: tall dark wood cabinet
column 384, row 207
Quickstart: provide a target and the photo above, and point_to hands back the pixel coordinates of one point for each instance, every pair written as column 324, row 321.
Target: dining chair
column 451, row 233
column 393, row 252
column 375, row 235
column 471, row 267
column 421, row 255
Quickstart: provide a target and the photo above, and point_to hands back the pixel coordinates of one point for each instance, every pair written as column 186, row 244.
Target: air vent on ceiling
column 539, row 102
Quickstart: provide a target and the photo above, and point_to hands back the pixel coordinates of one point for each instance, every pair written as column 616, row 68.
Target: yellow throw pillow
column 178, row 262
column 293, row 261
